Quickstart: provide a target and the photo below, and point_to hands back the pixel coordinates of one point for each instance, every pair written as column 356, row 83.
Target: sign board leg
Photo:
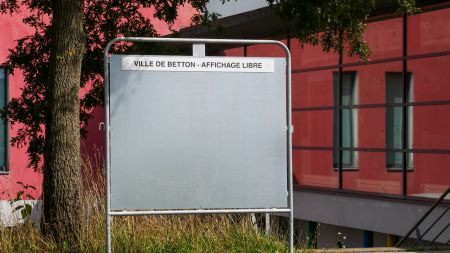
column 291, row 232
column 267, row 223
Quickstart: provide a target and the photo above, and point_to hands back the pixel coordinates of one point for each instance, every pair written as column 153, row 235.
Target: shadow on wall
column 23, row 206
column 92, row 146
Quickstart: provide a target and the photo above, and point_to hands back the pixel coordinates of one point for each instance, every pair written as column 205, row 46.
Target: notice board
column 198, row 132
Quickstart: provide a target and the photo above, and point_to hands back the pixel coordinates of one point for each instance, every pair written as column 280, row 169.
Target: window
column 394, row 119
column 348, row 120
column 3, row 125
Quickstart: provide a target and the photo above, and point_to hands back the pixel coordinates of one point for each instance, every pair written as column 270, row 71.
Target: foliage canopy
column 103, row 21
column 334, row 24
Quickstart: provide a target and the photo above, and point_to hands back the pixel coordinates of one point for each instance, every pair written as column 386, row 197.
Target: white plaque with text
column 198, row 64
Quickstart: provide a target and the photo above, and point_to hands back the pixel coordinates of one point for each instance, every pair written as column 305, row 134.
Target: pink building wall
column 12, row 28
column 428, row 32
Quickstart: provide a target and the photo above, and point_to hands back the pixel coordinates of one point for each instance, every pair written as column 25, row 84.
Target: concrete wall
column 328, row 235
column 378, row 215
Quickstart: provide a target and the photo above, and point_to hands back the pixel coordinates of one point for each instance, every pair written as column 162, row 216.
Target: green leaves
column 103, row 21
column 18, row 203
column 408, row 7
column 334, row 24
column 26, row 211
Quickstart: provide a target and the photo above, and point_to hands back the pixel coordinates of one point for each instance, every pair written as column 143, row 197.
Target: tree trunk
column 62, row 193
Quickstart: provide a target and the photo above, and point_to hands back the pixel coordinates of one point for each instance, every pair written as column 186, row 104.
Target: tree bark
column 62, row 191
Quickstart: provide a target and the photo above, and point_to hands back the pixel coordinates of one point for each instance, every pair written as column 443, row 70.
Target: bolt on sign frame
column 122, row 209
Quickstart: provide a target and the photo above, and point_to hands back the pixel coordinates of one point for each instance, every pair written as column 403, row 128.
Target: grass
column 159, row 234
column 192, row 234
column 218, row 233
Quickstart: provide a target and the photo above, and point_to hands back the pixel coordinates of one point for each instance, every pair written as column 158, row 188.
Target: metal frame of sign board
column 196, row 42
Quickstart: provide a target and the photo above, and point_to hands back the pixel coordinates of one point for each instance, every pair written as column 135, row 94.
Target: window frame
column 354, row 122
column 410, row 126
column 5, row 170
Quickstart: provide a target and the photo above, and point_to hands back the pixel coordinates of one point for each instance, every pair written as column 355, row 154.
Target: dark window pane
column 394, row 117
column 347, row 121
column 3, row 127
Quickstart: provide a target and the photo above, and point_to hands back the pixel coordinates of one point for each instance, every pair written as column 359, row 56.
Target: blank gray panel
column 188, row 140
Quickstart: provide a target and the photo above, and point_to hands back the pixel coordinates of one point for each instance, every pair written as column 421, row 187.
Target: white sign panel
column 198, row 64
column 191, row 140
